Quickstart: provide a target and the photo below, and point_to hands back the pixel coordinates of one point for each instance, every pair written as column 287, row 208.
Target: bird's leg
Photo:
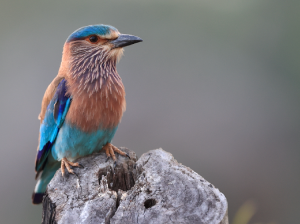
column 66, row 163
column 111, row 149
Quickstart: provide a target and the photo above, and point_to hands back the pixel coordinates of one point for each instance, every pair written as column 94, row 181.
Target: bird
column 83, row 105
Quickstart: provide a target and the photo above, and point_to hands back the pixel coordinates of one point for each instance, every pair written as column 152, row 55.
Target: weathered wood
column 154, row 189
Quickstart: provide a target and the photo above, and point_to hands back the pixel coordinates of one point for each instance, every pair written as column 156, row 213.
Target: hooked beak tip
column 124, row 40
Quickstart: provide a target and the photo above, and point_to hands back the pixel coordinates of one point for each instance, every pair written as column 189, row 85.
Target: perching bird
column 83, row 105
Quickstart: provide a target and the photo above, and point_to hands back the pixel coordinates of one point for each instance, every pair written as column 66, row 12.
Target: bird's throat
column 98, row 97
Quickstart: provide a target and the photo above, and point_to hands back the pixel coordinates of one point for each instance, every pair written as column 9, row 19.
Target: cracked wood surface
column 154, row 189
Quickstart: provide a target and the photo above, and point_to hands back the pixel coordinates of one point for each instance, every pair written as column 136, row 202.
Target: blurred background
column 216, row 83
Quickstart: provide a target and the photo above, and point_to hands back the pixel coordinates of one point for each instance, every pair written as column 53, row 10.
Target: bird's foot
column 110, row 151
column 66, row 163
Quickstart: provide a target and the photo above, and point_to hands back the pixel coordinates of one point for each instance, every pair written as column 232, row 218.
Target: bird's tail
column 37, row 198
column 43, row 181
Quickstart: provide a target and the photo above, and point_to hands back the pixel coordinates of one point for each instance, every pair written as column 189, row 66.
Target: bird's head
column 91, row 51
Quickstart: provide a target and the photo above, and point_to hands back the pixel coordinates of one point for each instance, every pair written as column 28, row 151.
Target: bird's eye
column 93, row 39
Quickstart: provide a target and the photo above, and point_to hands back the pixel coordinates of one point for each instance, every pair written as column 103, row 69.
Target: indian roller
column 83, row 105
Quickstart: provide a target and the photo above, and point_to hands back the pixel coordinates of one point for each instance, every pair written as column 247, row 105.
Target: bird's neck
column 94, row 79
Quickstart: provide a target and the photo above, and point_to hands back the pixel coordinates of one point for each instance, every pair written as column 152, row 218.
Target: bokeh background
column 216, row 83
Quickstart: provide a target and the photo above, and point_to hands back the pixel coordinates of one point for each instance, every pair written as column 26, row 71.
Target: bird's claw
column 75, row 174
column 80, row 165
column 110, row 151
column 67, row 164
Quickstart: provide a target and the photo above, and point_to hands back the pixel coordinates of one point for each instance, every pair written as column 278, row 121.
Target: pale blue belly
column 73, row 143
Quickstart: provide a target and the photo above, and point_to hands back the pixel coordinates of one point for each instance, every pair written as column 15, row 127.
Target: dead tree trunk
column 154, row 189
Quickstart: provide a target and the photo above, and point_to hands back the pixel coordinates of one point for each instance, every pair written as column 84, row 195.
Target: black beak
column 125, row 40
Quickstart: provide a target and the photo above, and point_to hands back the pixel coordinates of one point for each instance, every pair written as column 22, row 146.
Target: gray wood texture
column 153, row 189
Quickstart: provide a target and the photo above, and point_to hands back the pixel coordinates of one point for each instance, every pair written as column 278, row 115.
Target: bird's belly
column 72, row 143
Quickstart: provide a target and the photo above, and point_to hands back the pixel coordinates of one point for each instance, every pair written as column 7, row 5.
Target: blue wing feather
column 52, row 123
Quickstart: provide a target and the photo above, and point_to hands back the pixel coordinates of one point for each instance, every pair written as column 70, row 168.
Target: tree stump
column 154, row 189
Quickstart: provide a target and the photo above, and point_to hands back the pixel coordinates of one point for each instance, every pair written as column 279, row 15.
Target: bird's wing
column 54, row 117
column 50, row 91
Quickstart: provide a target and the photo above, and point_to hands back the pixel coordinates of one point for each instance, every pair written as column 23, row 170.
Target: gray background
column 216, row 83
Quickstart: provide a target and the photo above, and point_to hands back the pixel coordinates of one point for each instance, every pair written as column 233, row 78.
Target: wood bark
column 153, row 189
